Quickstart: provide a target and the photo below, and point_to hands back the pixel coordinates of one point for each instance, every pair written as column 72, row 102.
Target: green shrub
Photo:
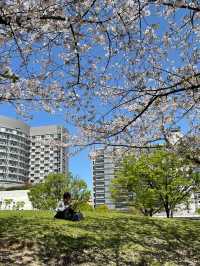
column 85, row 207
column 19, row 205
column 134, row 211
column 198, row 211
column 102, row 208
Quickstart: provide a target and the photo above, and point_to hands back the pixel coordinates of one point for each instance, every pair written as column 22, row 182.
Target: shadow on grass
column 104, row 240
column 159, row 240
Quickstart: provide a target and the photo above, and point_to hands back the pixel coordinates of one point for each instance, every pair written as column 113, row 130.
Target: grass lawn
column 35, row 238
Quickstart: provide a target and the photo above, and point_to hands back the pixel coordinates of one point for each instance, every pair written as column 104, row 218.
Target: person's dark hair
column 66, row 195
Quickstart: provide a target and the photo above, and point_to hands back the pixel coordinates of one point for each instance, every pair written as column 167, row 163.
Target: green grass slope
column 35, row 238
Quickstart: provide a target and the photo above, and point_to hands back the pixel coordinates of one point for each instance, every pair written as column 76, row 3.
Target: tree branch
column 77, row 54
column 177, row 5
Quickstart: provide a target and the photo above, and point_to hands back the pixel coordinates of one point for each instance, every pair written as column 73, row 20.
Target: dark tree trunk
column 166, row 204
column 167, row 210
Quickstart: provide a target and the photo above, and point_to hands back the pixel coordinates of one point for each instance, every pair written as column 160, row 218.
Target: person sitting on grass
column 66, row 211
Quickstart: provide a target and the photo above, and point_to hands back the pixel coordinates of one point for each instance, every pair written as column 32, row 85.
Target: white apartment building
column 14, row 151
column 46, row 153
column 30, row 153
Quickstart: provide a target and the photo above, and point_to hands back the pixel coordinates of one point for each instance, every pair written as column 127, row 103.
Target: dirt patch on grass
column 26, row 253
column 16, row 253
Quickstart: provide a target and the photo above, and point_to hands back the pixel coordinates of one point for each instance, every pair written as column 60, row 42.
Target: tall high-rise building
column 14, row 151
column 30, row 153
column 104, row 166
column 103, row 173
column 45, row 156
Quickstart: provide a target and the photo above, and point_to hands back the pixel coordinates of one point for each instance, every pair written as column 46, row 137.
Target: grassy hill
column 34, row 238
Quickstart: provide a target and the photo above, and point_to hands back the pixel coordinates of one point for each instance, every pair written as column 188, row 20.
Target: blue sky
column 80, row 164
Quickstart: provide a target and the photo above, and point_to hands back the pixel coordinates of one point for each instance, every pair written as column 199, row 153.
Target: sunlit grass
column 100, row 239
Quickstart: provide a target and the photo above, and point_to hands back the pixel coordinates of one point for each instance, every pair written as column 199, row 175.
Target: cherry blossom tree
column 123, row 72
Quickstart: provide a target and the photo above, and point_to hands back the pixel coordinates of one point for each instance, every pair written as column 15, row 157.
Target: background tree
column 134, row 186
column 79, row 191
column 19, row 205
column 119, row 69
column 175, row 179
column 47, row 194
column 159, row 180
column 8, row 203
